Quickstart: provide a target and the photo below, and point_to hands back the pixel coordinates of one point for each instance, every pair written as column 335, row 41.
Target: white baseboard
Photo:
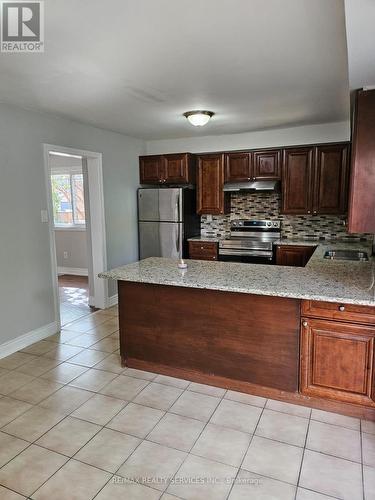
column 75, row 271
column 27, row 339
column 112, row 301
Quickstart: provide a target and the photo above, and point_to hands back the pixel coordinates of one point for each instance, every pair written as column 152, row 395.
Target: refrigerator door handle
column 178, row 239
column 178, row 206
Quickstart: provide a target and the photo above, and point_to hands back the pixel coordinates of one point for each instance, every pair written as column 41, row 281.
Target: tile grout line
column 247, row 449
column 204, row 427
column 362, row 465
column 303, row 456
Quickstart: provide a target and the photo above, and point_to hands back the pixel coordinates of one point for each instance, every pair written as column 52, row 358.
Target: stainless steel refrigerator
column 166, row 219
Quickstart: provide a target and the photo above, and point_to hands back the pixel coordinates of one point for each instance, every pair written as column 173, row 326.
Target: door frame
column 96, row 227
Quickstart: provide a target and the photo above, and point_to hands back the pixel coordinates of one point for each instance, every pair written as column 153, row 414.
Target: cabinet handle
column 202, row 248
column 309, row 211
column 305, row 323
column 314, row 211
column 342, row 308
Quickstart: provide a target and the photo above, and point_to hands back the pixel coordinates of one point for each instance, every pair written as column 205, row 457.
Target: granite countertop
column 334, row 281
column 213, row 239
column 290, row 241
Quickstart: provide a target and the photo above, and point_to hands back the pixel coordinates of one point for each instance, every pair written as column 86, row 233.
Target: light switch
column 44, row 215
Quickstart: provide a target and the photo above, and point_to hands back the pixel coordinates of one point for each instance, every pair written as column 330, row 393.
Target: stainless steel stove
column 250, row 241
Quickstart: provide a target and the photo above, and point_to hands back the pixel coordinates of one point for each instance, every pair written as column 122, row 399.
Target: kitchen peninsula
column 304, row 335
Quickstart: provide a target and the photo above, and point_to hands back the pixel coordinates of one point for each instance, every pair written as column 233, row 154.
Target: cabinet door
column 238, row 167
column 178, row 169
column 337, row 361
column 267, row 164
column 362, row 184
column 296, row 256
column 297, row 181
column 150, row 169
column 210, row 182
column 331, row 179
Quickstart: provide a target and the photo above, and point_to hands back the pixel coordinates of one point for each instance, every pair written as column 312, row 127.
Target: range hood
column 253, row 186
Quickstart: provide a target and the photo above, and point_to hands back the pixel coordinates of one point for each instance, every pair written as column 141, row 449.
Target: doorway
column 77, row 232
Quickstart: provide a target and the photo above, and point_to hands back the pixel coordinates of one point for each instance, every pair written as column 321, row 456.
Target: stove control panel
column 258, row 224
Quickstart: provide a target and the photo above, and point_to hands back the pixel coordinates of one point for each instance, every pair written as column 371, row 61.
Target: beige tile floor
column 75, row 425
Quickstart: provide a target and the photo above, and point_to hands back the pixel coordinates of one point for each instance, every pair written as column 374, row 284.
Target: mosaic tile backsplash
column 267, row 206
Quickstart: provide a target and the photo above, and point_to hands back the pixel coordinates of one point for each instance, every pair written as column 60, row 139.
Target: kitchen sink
column 346, row 255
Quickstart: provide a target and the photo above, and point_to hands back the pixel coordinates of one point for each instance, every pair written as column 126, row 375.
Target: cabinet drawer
column 339, row 311
column 203, row 250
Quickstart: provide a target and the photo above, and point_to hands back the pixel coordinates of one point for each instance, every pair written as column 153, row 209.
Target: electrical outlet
column 65, row 255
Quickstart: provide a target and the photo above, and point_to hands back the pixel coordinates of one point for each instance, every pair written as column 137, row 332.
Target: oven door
column 246, row 256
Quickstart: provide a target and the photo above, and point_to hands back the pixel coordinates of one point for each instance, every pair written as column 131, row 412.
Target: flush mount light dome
column 198, row 118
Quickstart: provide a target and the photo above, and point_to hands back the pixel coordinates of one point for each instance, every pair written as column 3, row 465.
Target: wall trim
column 75, row 271
column 112, row 301
column 27, row 339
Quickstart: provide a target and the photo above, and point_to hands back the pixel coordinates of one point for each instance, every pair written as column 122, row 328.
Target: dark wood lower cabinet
column 337, row 361
column 293, row 255
column 251, row 343
column 239, row 337
column 203, row 250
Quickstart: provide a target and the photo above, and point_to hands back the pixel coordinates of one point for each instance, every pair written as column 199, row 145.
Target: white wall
column 360, row 34
column 74, row 242
column 309, row 134
column 26, row 298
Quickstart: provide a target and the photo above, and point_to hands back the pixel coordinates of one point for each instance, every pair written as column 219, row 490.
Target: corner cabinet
column 167, row 169
column 337, row 354
column 211, row 198
column 315, row 180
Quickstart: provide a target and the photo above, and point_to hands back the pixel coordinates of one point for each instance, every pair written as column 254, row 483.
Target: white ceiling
column 135, row 66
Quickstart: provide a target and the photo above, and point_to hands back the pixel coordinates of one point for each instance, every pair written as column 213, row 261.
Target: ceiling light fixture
column 199, row 117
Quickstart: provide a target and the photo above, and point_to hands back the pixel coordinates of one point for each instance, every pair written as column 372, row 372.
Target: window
column 68, row 199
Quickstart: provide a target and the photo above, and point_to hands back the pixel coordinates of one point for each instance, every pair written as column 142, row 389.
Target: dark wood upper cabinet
column 238, row 167
column 331, row 179
column 315, row 180
column 362, row 186
column 151, row 169
column 167, row 169
column 211, row 198
column 297, row 181
column 267, row 164
column 179, row 169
